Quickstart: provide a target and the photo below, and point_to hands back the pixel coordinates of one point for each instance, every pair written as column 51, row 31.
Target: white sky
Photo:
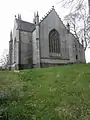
column 10, row 8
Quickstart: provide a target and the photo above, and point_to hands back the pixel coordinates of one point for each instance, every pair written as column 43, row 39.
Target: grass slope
column 61, row 93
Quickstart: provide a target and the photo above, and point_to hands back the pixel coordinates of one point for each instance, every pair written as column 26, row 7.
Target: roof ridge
column 25, row 21
column 47, row 14
column 58, row 17
column 25, row 26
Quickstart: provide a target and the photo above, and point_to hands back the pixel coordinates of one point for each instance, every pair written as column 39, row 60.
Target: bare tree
column 79, row 19
column 73, row 4
column 79, row 24
column 4, row 60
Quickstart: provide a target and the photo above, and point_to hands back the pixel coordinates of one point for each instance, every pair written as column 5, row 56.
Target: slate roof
column 25, row 26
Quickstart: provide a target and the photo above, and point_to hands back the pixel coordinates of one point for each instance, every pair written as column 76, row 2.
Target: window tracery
column 54, row 43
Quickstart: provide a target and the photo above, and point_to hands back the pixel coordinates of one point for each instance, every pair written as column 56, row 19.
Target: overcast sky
column 10, row 8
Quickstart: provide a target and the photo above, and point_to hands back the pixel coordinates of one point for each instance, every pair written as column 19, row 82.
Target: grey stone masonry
column 43, row 44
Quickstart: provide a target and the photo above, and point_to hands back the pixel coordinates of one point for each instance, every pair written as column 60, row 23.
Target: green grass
column 60, row 93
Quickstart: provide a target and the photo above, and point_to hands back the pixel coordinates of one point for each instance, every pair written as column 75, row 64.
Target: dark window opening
column 76, row 57
column 15, row 50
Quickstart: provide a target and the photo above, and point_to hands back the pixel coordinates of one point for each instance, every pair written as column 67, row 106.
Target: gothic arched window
column 54, row 42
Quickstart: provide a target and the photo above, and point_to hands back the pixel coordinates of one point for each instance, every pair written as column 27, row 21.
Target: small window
column 76, row 57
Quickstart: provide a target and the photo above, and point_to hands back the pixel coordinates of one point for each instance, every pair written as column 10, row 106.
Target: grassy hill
column 61, row 93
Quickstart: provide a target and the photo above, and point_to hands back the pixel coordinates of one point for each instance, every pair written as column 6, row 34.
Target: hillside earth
column 60, row 93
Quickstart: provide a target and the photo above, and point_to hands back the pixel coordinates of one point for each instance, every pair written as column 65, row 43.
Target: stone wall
column 26, row 49
column 34, row 48
column 22, row 48
column 76, row 50
column 15, row 46
column 52, row 21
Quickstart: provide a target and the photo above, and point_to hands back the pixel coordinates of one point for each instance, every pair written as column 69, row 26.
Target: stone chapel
column 43, row 43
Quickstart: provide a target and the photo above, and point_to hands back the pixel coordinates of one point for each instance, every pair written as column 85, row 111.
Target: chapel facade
column 43, row 43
